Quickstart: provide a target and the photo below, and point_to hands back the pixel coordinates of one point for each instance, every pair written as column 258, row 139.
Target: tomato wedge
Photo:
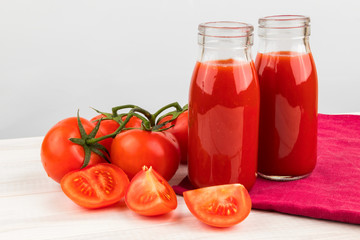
column 149, row 194
column 219, row 206
column 97, row 186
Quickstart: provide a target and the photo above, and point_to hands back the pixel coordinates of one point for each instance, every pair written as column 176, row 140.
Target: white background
column 60, row 56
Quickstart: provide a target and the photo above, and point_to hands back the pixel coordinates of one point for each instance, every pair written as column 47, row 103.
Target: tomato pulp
column 288, row 113
column 223, row 123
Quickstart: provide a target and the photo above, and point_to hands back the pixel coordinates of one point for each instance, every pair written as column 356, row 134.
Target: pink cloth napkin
column 332, row 191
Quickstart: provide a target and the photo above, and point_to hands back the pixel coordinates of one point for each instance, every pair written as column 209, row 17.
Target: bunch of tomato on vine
column 128, row 140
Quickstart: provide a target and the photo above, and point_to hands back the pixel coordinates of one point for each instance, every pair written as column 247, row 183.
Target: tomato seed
column 228, row 212
column 167, row 196
column 234, row 209
column 147, row 198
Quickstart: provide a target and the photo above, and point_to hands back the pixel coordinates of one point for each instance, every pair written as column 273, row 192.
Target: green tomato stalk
column 150, row 122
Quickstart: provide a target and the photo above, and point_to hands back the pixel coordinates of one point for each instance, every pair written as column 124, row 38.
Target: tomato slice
column 219, row 206
column 149, row 194
column 97, row 186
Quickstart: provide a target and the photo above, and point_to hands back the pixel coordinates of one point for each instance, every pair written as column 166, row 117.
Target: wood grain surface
column 32, row 206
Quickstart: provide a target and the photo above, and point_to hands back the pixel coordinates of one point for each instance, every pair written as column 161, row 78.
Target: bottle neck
column 288, row 33
column 225, row 40
column 215, row 48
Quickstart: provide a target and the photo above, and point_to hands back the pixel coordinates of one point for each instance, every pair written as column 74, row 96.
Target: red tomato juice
column 223, row 123
column 288, row 113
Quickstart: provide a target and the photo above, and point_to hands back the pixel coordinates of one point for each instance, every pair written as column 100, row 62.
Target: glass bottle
column 289, row 98
column 223, row 107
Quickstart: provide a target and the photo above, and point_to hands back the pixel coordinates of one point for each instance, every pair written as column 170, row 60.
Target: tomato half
column 109, row 126
column 96, row 186
column 180, row 132
column 149, row 194
column 59, row 155
column 219, row 206
column 133, row 149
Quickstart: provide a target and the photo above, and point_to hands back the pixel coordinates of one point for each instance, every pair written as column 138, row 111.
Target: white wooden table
column 32, row 206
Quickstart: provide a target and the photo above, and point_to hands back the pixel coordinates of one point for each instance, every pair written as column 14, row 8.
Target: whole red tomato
column 108, row 126
column 133, row 149
column 59, row 155
column 180, row 132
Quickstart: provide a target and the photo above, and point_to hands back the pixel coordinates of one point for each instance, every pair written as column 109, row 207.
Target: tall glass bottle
column 288, row 106
column 223, row 107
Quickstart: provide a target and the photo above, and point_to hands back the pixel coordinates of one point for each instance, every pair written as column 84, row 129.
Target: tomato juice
column 223, row 123
column 288, row 113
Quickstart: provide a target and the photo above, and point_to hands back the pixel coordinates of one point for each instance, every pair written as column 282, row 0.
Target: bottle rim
column 225, row 29
column 284, row 21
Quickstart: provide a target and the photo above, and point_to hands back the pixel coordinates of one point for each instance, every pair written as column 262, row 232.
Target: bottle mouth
column 284, row 21
column 225, row 29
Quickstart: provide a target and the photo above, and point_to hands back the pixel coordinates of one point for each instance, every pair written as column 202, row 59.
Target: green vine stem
column 146, row 123
column 91, row 144
column 134, row 109
column 119, row 117
column 112, row 135
column 149, row 122
column 174, row 114
column 97, row 148
column 174, row 104
column 116, row 109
